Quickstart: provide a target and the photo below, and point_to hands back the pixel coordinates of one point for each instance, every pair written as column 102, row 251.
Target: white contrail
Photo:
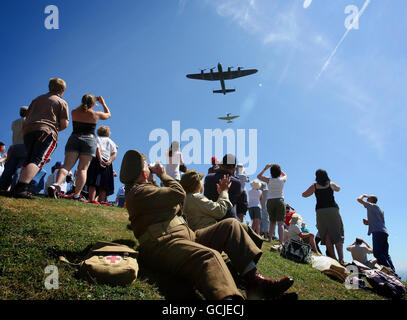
column 340, row 41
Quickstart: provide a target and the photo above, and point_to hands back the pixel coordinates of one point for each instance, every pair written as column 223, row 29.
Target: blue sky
column 349, row 119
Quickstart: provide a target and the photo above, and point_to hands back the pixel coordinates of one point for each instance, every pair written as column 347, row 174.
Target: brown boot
column 259, row 287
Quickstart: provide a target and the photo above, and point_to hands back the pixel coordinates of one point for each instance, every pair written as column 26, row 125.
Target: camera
column 152, row 165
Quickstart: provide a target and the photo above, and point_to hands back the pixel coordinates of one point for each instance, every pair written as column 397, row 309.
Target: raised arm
column 335, row 187
column 170, row 195
column 309, row 192
column 360, row 199
column 260, row 175
column 283, row 175
column 106, row 112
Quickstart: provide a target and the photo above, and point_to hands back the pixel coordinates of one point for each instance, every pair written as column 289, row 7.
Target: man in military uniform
column 167, row 243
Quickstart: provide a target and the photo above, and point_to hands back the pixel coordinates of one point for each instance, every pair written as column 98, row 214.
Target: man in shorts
column 47, row 115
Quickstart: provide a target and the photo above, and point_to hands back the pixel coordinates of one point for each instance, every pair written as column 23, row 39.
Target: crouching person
column 295, row 233
column 168, row 243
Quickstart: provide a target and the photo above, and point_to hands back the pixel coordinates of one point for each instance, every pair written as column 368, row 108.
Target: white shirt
column 294, row 231
column 173, row 163
column 359, row 253
column 276, row 186
column 107, row 147
column 254, row 198
column 52, row 178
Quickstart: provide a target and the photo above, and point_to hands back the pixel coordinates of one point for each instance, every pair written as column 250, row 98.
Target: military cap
column 132, row 166
column 190, row 179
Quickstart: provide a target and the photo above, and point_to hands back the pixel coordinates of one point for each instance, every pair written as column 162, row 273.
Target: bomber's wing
column 210, row 76
column 228, row 118
column 227, row 75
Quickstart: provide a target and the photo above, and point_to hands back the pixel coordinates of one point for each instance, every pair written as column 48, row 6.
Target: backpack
column 385, row 284
column 297, row 251
column 108, row 263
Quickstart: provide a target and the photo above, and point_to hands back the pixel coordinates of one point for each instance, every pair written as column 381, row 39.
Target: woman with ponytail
column 329, row 220
column 81, row 144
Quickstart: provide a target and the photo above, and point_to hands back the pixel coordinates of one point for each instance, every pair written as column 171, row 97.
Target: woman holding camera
column 81, row 144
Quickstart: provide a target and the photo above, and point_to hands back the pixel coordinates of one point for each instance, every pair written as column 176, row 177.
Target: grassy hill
column 33, row 234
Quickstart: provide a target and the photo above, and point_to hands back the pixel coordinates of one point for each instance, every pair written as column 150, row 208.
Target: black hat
column 229, row 161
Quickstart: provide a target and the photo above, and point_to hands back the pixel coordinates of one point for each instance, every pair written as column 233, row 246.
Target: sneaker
column 54, row 191
column 261, row 287
column 23, row 195
column 79, row 198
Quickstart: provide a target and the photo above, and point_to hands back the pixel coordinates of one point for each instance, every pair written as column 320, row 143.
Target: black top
column 325, row 198
column 83, row 128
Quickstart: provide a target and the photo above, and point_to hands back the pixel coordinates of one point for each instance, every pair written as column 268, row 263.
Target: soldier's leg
column 253, row 235
column 230, row 236
column 180, row 255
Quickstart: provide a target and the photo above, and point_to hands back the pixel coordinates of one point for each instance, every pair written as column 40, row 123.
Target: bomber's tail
column 224, row 92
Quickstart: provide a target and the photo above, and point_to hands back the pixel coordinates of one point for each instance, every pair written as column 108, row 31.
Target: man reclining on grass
column 167, row 243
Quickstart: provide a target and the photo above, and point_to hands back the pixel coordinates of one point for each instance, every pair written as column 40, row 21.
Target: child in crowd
column 255, row 198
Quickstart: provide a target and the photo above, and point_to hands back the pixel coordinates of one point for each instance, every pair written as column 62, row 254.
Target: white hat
column 296, row 218
column 256, row 184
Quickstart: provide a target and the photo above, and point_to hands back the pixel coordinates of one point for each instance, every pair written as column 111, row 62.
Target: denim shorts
column 82, row 144
column 255, row 213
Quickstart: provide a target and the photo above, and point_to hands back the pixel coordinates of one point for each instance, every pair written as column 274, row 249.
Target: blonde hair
column 103, row 131
column 296, row 218
column 56, row 85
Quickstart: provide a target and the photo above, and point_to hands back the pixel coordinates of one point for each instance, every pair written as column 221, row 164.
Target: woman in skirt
column 329, row 221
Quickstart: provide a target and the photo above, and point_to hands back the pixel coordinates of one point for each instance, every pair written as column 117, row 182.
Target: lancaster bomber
column 222, row 76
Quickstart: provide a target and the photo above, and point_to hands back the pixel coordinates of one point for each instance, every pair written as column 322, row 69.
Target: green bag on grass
column 108, row 263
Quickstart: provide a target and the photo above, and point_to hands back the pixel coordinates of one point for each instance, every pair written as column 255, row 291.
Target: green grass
column 33, row 234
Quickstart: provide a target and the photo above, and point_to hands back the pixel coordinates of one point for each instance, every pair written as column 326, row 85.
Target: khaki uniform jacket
column 201, row 212
column 149, row 204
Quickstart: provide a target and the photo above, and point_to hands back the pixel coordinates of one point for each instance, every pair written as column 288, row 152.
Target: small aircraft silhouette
column 228, row 118
column 222, row 76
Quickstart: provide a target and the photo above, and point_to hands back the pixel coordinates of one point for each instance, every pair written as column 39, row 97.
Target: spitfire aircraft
column 222, row 76
column 228, row 118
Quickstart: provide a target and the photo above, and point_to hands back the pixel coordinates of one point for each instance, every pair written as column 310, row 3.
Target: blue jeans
column 14, row 162
column 381, row 249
